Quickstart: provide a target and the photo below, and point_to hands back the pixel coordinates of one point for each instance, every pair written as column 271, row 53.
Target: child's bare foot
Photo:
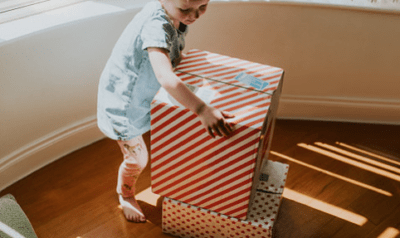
column 131, row 209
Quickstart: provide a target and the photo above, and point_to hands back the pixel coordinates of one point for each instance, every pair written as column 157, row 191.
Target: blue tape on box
column 251, row 81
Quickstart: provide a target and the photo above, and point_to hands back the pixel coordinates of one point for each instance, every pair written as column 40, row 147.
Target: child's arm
column 212, row 119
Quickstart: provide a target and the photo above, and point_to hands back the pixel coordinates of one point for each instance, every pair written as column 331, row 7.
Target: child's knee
column 133, row 167
column 135, row 152
column 139, row 162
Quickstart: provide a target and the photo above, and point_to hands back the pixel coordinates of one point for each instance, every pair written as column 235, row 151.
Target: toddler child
column 142, row 61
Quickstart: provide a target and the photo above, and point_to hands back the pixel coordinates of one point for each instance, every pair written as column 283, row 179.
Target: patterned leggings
column 135, row 160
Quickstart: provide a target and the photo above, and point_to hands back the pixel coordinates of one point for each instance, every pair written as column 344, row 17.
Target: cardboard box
column 215, row 174
column 184, row 220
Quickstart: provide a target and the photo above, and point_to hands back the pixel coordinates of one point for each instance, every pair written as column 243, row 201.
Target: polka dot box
column 187, row 221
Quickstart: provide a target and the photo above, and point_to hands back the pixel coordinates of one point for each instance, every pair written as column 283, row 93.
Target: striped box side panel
column 188, row 165
column 212, row 173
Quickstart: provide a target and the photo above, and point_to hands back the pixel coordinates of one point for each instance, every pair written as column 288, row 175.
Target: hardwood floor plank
column 298, row 220
column 391, row 225
column 375, row 207
column 339, row 228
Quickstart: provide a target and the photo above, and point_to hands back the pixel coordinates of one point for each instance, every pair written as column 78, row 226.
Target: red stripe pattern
column 190, row 166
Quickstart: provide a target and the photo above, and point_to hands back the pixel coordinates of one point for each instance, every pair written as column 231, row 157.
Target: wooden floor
column 343, row 181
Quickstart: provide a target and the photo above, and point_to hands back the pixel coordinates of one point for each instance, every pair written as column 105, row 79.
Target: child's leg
column 135, row 160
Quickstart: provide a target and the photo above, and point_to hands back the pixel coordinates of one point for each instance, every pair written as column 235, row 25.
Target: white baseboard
column 43, row 151
column 374, row 111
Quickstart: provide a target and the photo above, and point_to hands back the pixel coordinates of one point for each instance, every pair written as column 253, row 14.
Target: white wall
column 340, row 65
column 49, row 91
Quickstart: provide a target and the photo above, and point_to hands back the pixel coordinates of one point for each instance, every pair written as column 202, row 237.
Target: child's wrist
column 200, row 109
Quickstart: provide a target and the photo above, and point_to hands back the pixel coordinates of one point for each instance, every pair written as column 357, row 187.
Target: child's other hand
column 214, row 121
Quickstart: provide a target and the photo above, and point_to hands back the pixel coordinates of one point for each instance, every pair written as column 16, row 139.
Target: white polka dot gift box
column 187, row 221
column 273, row 177
column 216, row 174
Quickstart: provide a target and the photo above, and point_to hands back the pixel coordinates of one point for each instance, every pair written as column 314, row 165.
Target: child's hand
column 214, row 121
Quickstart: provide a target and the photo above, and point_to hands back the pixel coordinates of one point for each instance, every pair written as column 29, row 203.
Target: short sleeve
column 157, row 32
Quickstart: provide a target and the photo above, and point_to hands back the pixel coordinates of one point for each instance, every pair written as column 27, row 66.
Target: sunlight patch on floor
column 148, row 196
column 350, row 161
column 390, row 232
column 369, row 153
column 359, row 157
column 324, row 207
column 363, row 185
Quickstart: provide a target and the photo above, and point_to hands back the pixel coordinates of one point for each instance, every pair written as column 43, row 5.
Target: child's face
column 185, row 11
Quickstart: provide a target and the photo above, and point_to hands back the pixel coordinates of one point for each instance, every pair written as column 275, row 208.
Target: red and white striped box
column 184, row 220
column 190, row 166
column 240, row 73
column 215, row 174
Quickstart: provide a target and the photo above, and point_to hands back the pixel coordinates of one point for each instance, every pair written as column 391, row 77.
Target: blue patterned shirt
column 128, row 84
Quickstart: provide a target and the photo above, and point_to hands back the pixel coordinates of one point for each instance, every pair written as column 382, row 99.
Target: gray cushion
column 13, row 221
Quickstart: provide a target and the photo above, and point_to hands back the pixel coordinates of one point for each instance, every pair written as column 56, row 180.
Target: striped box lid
column 190, row 166
column 238, row 72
